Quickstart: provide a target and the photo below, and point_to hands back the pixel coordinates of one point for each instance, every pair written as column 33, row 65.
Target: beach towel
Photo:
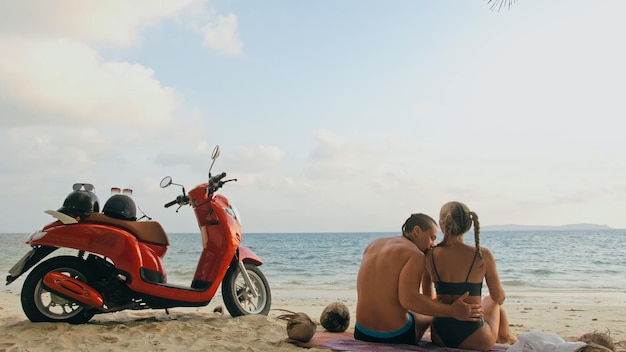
column 363, row 346
column 344, row 341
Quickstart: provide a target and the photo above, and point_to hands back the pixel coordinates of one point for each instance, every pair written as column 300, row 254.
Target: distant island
column 512, row 227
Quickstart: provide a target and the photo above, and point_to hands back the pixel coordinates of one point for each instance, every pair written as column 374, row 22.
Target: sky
column 333, row 116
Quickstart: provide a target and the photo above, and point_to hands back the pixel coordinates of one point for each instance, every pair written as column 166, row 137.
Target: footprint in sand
column 109, row 338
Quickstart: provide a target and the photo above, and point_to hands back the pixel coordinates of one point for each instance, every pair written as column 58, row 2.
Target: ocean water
column 316, row 262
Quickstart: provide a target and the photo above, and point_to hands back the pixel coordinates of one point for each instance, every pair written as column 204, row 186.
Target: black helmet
column 95, row 203
column 80, row 204
column 120, row 206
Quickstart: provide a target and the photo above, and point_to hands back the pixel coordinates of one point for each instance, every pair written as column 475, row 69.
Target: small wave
column 515, row 283
column 542, row 272
column 331, row 283
column 294, row 282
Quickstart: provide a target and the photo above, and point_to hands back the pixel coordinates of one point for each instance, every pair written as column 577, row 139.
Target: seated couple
column 390, row 306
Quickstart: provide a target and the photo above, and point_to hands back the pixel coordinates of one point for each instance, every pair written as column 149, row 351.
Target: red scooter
column 119, row 261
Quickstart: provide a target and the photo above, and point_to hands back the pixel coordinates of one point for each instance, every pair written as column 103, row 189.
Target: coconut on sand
column 597, row 341
column 300, row 327
column 335, row 317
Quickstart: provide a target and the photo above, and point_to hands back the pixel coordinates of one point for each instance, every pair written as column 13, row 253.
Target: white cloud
column 54, row 78
column 258, row 157
column 371, row 162
column 51, row 68
column 341, row 180
column 115, row 22
column 222, row 35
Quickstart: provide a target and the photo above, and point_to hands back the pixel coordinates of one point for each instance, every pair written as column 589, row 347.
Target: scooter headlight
column 232, row 211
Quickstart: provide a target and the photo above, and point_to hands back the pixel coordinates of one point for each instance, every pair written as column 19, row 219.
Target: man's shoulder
column 396, row 242
column 381, row 243
column 400, row 244
column 382, row 240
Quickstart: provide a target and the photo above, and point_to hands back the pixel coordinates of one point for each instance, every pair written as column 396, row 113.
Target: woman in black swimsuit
column 456, row 268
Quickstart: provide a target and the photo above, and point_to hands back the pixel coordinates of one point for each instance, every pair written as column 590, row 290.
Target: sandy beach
column 567, row 314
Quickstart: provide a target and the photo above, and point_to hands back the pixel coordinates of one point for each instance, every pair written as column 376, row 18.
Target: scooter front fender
column 246, row 255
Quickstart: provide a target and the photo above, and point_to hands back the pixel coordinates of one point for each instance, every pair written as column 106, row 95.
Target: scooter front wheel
column 41, row 305
column 239, row 297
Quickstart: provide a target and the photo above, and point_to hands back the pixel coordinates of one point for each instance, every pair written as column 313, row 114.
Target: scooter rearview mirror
column 214, row 155
column 216, row 152
column 166, row 181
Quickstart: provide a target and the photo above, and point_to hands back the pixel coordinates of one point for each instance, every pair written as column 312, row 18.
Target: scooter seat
column 145, row 231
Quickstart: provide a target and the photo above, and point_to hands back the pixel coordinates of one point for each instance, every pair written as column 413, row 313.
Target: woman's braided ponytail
column 456, row 219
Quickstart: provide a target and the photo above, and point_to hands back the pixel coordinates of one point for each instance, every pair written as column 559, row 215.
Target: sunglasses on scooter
column 85, row 186
column 126, row 191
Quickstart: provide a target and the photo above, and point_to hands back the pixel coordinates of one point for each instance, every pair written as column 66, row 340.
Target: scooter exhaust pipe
column 73, row 289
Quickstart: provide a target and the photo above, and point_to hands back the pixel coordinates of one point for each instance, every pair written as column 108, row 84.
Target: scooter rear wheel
column 238, row 297
column 41, row 305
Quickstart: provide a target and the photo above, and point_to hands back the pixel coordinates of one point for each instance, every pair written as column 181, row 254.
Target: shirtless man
column 390, row 307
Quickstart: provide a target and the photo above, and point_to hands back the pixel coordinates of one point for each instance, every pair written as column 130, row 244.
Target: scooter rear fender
column 31, row 258
column 121, row 247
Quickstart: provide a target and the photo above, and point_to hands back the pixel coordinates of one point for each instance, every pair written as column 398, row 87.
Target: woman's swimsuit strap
column 432, row 257
column 457, row 288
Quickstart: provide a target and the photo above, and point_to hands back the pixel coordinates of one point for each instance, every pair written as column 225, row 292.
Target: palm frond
column 499, row 4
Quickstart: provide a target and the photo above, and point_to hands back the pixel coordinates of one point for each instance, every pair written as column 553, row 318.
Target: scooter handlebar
column 182, row 200
column 217, row 178
column 171, row 203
